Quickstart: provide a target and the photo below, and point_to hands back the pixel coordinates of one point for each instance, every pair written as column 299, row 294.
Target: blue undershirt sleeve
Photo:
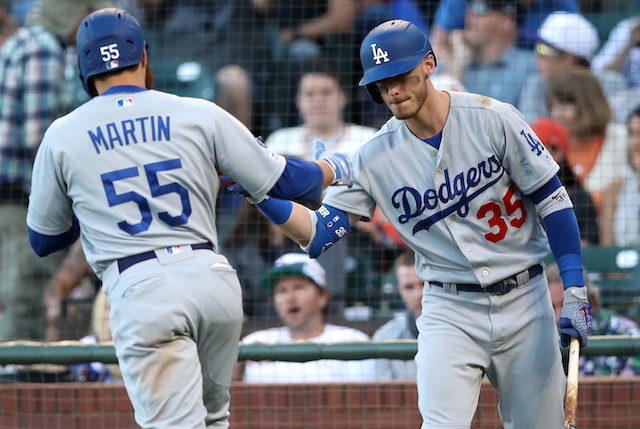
column 43, row 245
column 300, row 180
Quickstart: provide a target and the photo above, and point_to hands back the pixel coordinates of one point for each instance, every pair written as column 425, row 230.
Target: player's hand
column 575, row 318
column 236, row 188
column 338, row 161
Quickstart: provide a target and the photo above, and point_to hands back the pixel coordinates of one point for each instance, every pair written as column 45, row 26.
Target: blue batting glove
column 338, row 161
column 575, row 318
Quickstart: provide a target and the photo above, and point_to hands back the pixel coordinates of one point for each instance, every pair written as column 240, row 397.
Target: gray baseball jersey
column 461, row 208
column 139, row 170
column 143, row 172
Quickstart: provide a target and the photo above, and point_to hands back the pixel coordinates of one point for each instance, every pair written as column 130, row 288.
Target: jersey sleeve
column 355, row 200
column 50, row 209
column 239, row 155
column 524, row 157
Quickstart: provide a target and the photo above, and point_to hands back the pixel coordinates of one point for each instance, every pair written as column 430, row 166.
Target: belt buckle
column 506, row 285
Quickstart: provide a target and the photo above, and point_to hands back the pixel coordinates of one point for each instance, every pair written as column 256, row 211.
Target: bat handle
column 571, row 396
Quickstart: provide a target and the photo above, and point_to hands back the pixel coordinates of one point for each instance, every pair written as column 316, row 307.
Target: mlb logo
column 174, row 250
column 112, row 65
column 125, row 102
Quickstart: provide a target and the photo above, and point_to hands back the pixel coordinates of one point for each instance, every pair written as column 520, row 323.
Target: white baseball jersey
column 296, row 141
column 461, row 207
column 142, row 172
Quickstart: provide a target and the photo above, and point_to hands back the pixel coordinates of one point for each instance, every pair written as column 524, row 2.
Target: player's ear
column 429, row 64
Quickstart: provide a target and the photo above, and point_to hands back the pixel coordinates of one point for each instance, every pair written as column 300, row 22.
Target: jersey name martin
column 464, row 188
column 130, row 131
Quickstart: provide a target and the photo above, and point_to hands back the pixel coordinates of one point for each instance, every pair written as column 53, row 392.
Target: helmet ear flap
column 374, row 93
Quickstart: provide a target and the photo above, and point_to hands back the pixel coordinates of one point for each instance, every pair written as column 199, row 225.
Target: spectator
column 8, row 22
column 403, row 325
column 620, row 223
column 557, row 140
column 565, row 41
column 300, row 297
column 605, row 322
column 321, row 101
column 31, row 76
column 303, row 26
column 621, row 51
column 495, row 66
column 299, row 31
column 598, row 150
column 449, row 20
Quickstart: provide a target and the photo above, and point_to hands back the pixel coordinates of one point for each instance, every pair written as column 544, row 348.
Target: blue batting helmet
column 107, row 40
column 391, row 49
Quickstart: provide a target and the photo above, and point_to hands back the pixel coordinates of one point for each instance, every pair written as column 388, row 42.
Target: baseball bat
column 571, row 395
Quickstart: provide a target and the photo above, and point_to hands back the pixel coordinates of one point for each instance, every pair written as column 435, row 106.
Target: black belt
column 499, row 288
column 127, row 262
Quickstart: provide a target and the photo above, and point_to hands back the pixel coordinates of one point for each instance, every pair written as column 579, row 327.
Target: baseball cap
column 568, row 32
column 552, row 133
column 482, row 7
column 294, row 265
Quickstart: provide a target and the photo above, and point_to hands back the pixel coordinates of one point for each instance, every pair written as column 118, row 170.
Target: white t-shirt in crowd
column 317, row 371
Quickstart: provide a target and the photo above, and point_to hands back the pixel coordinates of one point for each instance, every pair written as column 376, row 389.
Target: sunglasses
column 548, row 51
column 478, row 8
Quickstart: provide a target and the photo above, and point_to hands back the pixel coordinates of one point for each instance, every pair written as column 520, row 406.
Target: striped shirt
column 31, row 75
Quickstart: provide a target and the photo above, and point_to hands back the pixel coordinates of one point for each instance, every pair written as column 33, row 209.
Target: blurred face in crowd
column 321, row 101
column 551, row 60
column 634, row 142
column 563, row 112
column 483, row 24
column 300, row 303
column 410, row 288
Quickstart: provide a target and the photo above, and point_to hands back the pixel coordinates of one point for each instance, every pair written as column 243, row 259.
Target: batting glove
column 575, row 318
column 338, row 161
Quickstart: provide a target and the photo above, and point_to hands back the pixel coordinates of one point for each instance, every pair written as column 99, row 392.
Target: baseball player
column 133, row 172
column 470, row 188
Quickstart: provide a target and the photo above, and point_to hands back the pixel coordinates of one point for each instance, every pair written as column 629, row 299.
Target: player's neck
column 134, row 77
column 307, row 331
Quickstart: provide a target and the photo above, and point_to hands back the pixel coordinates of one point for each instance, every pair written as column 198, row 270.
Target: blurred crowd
column 288, row 69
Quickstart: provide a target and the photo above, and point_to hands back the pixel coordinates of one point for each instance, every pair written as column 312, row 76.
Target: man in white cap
column 565, row 40
column 300, row 297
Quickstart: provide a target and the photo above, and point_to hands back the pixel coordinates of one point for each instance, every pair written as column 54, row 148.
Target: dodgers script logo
column 379, row 55
column 464, row 187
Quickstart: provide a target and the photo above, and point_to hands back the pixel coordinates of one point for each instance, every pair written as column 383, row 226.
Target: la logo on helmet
column 379, row 55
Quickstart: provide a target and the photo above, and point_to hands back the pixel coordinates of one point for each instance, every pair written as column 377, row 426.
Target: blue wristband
column 277, row 211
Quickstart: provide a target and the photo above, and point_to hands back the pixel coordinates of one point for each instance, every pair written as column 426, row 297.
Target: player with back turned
column 134, row 172
column 470, row 188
